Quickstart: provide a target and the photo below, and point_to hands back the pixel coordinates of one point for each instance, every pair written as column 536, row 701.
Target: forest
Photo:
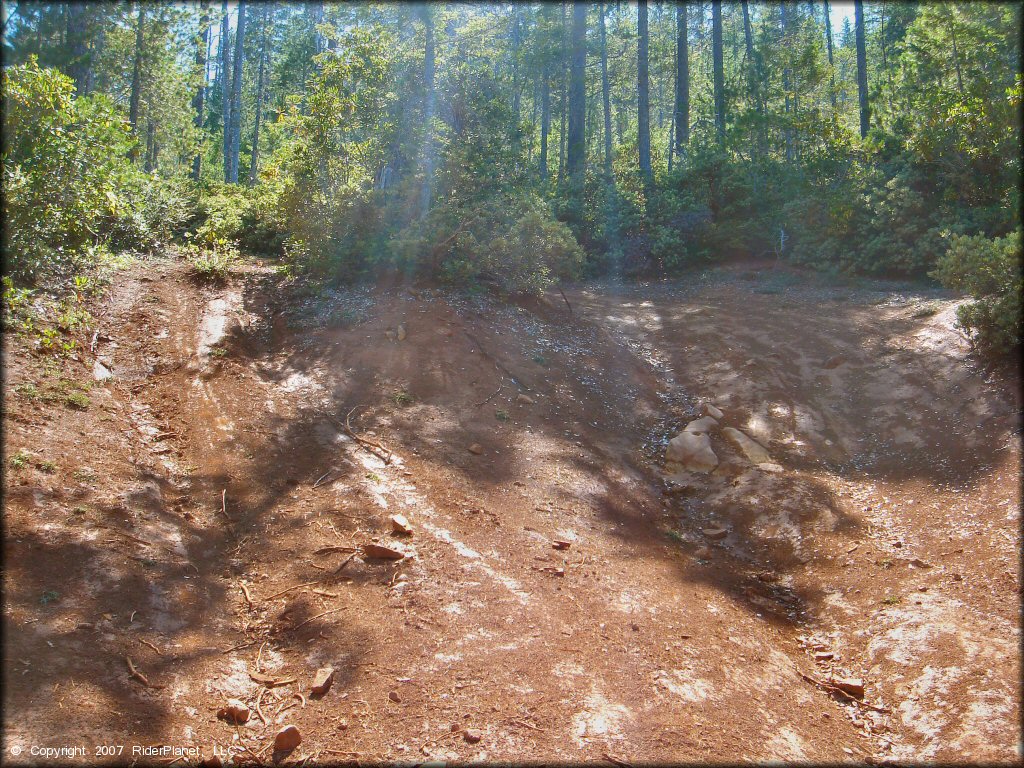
column 619, row 383
column 516, row 145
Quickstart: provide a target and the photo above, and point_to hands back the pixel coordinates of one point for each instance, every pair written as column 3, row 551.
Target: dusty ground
column 200, row 516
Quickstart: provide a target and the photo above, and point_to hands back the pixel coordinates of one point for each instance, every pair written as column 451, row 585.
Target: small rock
column 401, row 332
column 692, row 451
column 753, row 450
column 381, row 552
column 100, row 372
column 393, row 695
column 852, row 686
column 400, row 525
column 522, row 397
column 897, row 544
column 287, row 739
column 834, row 362
column 769, row 466
column 714, row 413
column 390, row 334
column 472, row 735
column 705, row 424
column 560, row 544
column 715, row 534
column 824, row 656
column 957, row 577
column 476, row 449
column 235, row 712
column 322, row 681
column 919, row 563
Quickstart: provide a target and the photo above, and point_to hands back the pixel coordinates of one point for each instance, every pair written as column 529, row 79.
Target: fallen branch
column 341, row 567
column 314, row 618
column 146, row 642
column 497, row 365
column 224, row 511
column 290, row 589
column 566, row 300
column 334, row 548
column 836, row 689
column 139, row 676
column 367, row 444
column 259, row 711
column 493, row 395
column 615, row 760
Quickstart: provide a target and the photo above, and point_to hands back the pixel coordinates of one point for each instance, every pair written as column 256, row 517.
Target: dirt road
column 560, row 600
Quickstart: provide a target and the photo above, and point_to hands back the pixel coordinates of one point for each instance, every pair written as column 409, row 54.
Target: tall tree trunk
column 133, row 102
column 784, row 43
column 77, row 34
column 254, row 158
column 317, row 12
column 606, row 96
column 862, row 68
column 150, row 161
column 831, row 64
column 643, row 94
column 682, row 112
column 236, row 94
column 426, row 192
column 545, row 120
column 199, row 100
column 719, row 69
column 516, row 39
column 564, row 58
column 225, row 86
column 577, row 142
column 956, row 55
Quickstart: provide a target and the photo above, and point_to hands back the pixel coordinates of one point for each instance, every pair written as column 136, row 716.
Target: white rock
column 692, row 451
column 100, row 372
column 705, row 424
column 753, row 450
column 710, row 410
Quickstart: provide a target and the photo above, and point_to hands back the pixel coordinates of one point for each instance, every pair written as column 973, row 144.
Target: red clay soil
column 560, row 600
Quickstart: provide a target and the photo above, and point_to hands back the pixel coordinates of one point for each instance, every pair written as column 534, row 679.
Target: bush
column 990, row 271
column 250, row 217
column 65, row 168
column 211, row 262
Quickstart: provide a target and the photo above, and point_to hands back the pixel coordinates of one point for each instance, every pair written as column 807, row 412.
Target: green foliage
column 211, row 261
column 248, row 216
column 19, row 459
column 989, row 269
column 64, row 171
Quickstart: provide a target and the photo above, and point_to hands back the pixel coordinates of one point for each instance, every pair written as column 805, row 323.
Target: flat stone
column 287, row 739
column 322, row 681
column 381, row 552
column 476, row 449
column 715, row 534
column 704, row 424
column 714, row 413
column 400, row 525
column 100, row 372
column 235, row 712
column 691, row 451
column 472, row 735
column 753, row 450
column 524, row 398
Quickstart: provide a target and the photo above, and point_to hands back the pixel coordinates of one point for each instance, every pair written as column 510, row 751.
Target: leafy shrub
column 250, row 217
column 64, row 169
column 990, row 271
column 211, row 262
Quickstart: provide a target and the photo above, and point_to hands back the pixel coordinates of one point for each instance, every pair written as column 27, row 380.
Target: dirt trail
column 214, row 472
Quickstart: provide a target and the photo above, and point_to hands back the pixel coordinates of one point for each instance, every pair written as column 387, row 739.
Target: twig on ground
column 341, row 567
column 836, row 689
column 566, row 300
column 491, row 397
column 319, row 615
column 248, row 597
column 610, row 758
column 516, row 380
column 367, row 444
column 321, row 479
column 139, row 676
column 224, row 511
column 146, row 642
column 290, row 589
column 259, row 655
column 259, row 700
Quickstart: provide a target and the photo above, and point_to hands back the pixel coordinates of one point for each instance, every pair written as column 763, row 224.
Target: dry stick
column 566, row 300
column 367, row 444
column 314, row 618
column 341, row 567
column 245, row 591
column 493, row 395
column 259, row 655
column 616, row 760
column 139, row 676
column 146, row 642
column 259, row 711
column 497, row 365
column 290, row 589
column 224, row 511
column 836, row 689
column 318, row 479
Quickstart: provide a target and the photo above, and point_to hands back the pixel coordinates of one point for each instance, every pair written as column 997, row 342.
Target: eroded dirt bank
column 200, row 517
